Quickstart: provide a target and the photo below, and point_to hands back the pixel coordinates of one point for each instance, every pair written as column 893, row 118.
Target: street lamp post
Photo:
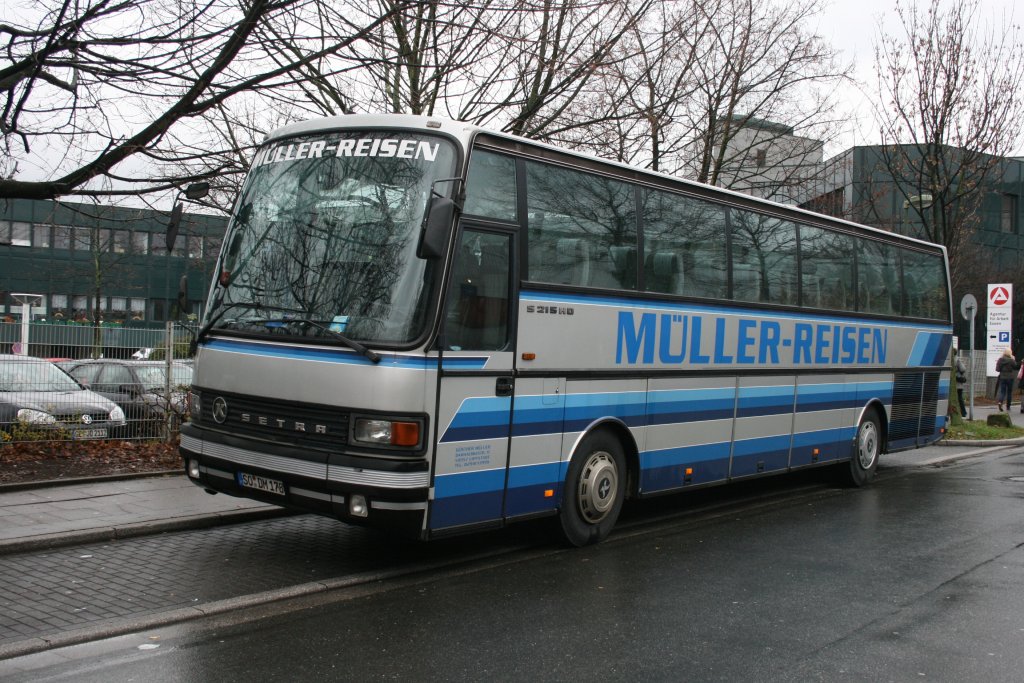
column 918, row 201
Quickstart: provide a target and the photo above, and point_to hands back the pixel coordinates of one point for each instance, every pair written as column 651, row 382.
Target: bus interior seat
column 667, row 272
column 574, row 261
column 623, row 260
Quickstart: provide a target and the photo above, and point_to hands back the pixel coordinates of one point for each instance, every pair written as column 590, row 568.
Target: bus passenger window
column 763, row 258
column 684, row 246
column 924, row 278
column 827, row 260
column 477, row 311
column 878, row 278
column 491, row 186
column 582, row 228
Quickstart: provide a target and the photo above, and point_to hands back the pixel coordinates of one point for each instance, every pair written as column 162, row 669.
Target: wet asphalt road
column 917, row 578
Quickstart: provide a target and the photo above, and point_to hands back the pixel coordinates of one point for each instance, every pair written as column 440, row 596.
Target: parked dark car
column 139, row 388
column 38, row 399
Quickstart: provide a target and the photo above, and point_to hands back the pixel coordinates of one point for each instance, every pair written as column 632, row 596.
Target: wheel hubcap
column 867, row 445
column 598, row 484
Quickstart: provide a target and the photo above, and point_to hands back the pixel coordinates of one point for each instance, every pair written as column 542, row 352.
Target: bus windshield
column 324, row 238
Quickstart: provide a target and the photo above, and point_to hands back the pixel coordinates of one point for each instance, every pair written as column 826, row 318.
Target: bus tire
column 595, row 488
column 866, row 449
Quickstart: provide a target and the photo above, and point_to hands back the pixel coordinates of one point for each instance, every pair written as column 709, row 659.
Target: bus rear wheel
column 867, row 448
column 595, row 487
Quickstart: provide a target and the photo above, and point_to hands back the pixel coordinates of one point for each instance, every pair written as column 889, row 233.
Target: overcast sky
column 852, row 26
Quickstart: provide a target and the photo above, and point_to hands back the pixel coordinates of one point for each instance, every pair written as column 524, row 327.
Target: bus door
column 476, row 382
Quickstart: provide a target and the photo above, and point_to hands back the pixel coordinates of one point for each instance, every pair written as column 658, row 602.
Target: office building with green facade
column 92, row 262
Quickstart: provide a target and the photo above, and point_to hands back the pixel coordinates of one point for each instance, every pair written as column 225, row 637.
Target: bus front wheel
column 595, row 487
column 866, row 449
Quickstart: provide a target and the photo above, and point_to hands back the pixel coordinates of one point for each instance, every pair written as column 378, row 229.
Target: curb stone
column 99, row 479
column 124, row 531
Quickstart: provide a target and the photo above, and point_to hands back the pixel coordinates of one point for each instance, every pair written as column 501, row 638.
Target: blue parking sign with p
column 1004, row 337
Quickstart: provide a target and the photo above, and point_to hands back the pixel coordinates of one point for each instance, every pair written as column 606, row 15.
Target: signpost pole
column 970, row 410
column 969, row 309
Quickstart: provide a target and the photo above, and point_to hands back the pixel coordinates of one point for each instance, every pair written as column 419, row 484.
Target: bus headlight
column 386, row 432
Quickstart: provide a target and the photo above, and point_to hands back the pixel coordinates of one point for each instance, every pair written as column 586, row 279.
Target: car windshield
column 35, row 376
column 152, row 377
column 324, row 238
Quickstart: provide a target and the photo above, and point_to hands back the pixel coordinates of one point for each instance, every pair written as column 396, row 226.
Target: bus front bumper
column 355, row 489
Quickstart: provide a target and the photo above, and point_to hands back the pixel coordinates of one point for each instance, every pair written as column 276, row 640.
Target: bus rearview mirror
column 436, row 227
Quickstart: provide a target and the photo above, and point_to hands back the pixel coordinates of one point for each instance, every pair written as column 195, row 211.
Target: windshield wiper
column 205, row 329
column 351, row 343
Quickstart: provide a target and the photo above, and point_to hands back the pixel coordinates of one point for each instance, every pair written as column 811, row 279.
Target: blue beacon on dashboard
column 676, row 338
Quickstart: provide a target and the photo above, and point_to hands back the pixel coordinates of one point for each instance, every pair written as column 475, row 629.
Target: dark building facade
column 93, row 262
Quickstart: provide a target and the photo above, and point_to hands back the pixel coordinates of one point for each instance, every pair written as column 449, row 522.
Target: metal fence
column 81, row 381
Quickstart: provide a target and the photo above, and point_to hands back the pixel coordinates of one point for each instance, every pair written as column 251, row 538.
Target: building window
column 195, row 246
column 41, row 236
column 140, row 244
column 120, row 241
column 21, row 234
column 1008, row 214
column 81, row 239
column 761, row 158
column 61, row 237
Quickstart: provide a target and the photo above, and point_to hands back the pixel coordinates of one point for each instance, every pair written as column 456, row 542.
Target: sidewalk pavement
column 100, row 510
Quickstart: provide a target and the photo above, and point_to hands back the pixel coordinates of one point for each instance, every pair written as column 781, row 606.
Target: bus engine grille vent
column 295, row 424
column 915, row 399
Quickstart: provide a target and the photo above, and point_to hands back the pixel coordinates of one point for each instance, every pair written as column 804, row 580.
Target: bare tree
column 759, row 63
column 96, row 83
column 715, row 90
column 951, row 104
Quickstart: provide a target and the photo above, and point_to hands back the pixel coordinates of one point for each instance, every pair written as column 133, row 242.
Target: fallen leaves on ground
column 45, row 460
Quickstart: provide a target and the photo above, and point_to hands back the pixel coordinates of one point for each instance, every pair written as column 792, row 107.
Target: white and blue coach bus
column 423, row 325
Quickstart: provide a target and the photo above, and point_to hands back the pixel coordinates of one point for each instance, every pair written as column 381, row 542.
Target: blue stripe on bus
column 665, row 469
column 930, row 349
column 766, row 453
column 487, row 417
column 658, row 304
column 343, row 356
column 468, row 497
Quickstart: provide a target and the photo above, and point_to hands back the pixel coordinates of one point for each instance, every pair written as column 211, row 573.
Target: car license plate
column 90, row 434
column 253, row 481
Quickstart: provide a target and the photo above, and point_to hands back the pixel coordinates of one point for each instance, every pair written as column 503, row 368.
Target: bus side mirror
column 436, row 227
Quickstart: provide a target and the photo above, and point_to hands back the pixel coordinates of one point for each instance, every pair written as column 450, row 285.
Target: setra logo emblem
column 220, row 410
column 87, row 419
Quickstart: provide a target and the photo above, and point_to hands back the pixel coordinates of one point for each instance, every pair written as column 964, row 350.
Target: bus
column 426, row 326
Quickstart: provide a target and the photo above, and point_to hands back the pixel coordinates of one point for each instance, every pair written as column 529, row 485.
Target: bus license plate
column 253, row 481
column 90, row 434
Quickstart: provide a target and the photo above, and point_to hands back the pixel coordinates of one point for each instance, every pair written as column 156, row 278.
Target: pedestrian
column 1006, row 369
column 1020, row 384
column 961, row 381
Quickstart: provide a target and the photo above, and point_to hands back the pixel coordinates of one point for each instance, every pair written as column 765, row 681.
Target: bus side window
column 477, row 312
column 878, row 278
column 491, row 186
